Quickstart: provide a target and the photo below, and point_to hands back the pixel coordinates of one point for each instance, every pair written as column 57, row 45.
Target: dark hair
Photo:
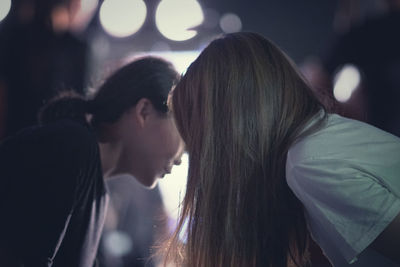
column 147, row 77
column 239, row 107
column 67, row 104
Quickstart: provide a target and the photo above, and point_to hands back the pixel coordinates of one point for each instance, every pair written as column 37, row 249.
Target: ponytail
column 66, row 105
column 147, row 77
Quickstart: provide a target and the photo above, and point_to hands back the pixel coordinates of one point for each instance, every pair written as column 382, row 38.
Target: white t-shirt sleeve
column 347, row 206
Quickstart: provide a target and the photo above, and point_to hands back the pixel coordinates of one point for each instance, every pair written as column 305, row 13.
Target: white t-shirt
column 347, row 175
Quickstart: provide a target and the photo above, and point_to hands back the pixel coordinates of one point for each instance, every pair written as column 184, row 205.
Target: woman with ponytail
column 269, row 167
column 53, row 198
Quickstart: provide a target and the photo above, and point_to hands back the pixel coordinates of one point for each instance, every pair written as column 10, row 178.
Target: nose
column 178, row 156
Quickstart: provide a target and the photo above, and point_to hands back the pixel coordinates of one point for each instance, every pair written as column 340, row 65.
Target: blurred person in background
column 371, row 44
column 41, row 53
column 52, row 196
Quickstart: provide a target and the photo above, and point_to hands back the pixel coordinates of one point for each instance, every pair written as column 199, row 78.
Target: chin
column 153, row 185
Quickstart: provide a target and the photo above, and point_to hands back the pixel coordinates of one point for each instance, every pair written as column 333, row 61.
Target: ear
column 143, row 110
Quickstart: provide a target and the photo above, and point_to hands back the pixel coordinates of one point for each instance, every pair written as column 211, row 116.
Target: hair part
column 239, row 107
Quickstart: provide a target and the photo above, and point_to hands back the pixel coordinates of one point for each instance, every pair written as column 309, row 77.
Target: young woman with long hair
column 268, row 164
column 53, row 198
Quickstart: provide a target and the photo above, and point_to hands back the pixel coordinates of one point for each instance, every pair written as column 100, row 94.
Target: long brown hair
column 239, row 107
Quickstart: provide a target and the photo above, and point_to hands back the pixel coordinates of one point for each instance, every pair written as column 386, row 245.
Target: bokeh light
column 5, row 6
column 118, row 243
column 230, row 23
column 84, row 14
column 346, row 82
column 122, row 18
column 175, row 19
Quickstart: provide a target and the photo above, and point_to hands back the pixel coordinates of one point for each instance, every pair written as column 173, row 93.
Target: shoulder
column 342, row 138
column 61, row 140
column 346, row 176
column 345, row 151
column 59, row 156
column 65, row 130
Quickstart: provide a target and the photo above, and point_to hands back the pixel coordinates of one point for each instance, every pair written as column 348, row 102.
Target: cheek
column 169, row 140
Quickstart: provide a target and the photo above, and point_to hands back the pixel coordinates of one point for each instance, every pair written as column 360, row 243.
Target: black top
column 52, row 197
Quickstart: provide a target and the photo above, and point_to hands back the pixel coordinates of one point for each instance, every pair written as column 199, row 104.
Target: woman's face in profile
column 151, row 144
column 164, row 148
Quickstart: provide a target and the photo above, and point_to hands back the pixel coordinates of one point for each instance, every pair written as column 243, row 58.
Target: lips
column 166, row 171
